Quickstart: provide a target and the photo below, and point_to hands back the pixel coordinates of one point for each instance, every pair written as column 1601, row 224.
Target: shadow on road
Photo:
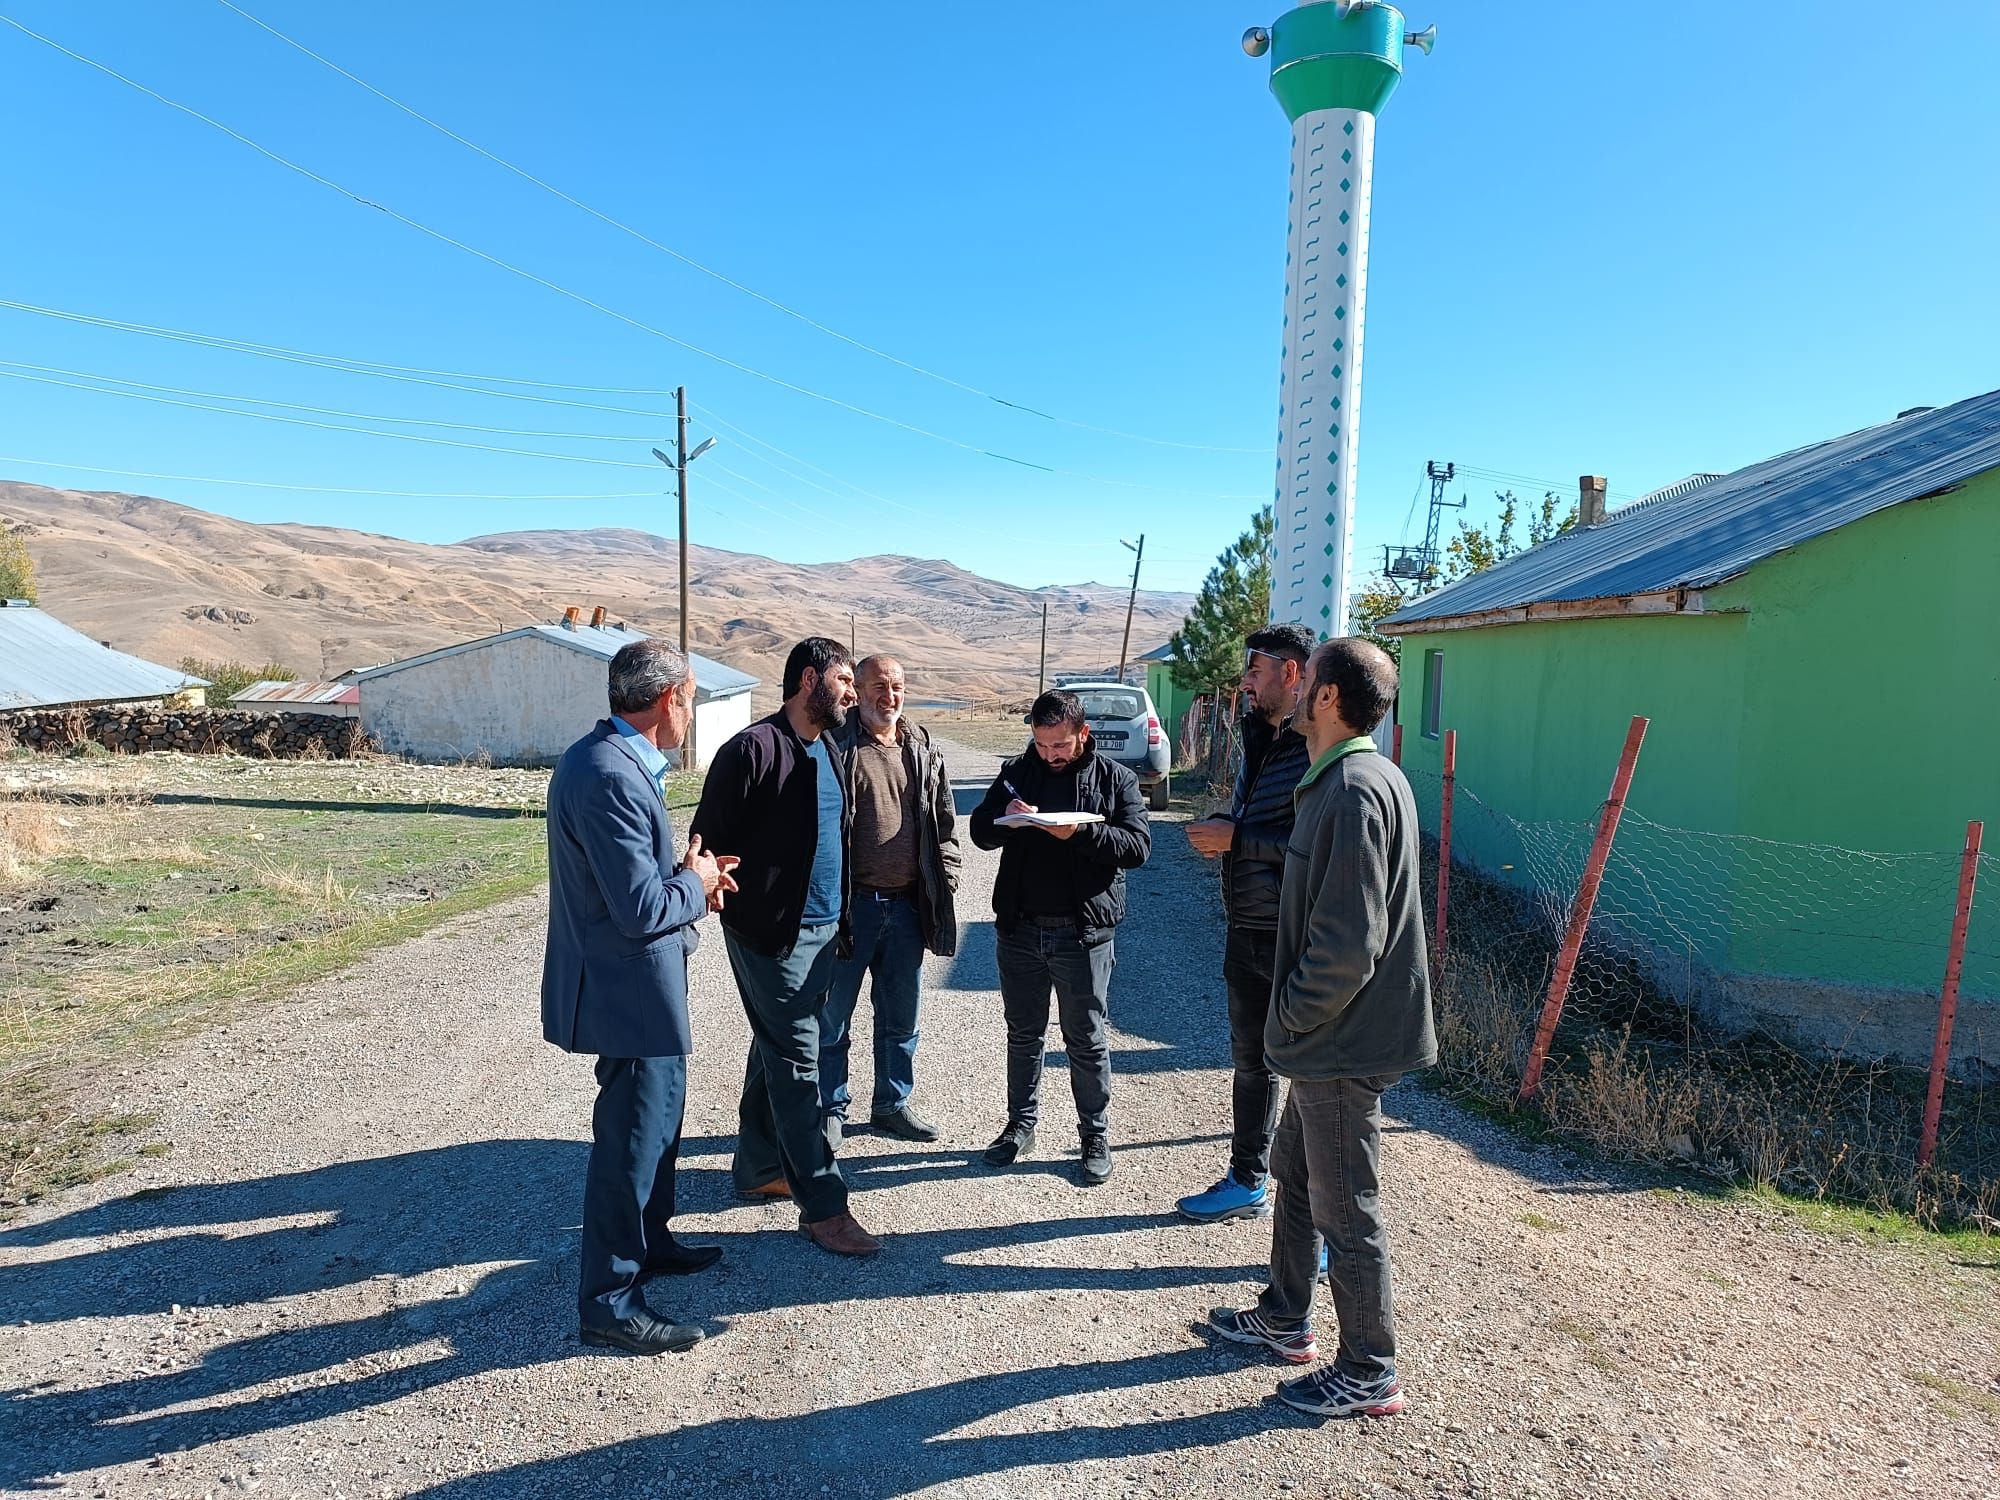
column 473, row 1248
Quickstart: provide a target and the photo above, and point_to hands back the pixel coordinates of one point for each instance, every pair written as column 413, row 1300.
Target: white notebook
column 1047, row 820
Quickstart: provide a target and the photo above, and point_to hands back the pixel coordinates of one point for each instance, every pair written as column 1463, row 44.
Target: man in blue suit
column 622, row 922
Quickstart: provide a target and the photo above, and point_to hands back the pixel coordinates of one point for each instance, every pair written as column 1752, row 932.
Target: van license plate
column 1112, row 741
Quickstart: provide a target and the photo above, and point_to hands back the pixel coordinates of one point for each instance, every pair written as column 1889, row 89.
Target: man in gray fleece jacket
column 1350, row 1014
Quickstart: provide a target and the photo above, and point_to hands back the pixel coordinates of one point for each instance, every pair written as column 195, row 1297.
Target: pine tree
column 17, row 568
column 1475, row 549
column 1206, row 653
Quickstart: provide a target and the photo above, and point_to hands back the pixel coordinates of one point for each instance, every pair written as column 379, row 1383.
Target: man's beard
column 825, row 708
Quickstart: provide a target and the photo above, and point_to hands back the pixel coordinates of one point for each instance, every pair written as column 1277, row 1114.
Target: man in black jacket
column 778, row 791
column 1250, row 840
column 1057, row 901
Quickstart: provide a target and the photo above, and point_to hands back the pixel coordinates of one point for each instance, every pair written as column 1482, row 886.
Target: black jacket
column 1253, row 870
column 1099, row 853
column 761, row 803
column 937, row 832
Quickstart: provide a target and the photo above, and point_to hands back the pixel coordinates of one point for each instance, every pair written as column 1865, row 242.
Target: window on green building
column 1433, row 694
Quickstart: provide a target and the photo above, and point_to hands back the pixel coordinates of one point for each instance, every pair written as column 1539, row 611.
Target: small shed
column 1170, row 701
column 522, row 697
column 337, row 700
column 46, row 664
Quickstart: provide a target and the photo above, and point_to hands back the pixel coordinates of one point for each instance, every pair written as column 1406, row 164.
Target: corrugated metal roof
column 1692, row 537
column 44, row 663
column 299, row 692
column 712, row 678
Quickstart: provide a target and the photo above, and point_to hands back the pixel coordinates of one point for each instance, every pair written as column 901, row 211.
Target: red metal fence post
column 1586, row 901
column 1954, row 965
column 1444, row 850
column 1396, row 746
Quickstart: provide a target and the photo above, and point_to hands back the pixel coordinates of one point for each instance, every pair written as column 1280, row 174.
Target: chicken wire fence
column 1738, row 1002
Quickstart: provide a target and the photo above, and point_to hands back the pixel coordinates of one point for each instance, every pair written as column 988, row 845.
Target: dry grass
column 296, row 885
column 31, row 834
column 1742, row 1110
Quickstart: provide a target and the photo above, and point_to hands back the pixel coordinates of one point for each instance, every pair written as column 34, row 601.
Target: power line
column 266, row 416
column 543, row 281
column 690, row 261
column 313, row 489
column 325, row 411
column 346, row 365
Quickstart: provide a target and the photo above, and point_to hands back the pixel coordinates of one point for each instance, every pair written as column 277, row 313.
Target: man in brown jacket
column 905, row 846
column 1350, row 1014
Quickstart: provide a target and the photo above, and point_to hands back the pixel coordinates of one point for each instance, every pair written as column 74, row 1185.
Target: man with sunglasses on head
column 1250, row 841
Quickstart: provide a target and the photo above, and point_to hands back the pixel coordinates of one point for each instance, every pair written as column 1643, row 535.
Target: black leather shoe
column 905, row 1124
column 642, row 1333
column 677, row 1259
column 1010, row 1146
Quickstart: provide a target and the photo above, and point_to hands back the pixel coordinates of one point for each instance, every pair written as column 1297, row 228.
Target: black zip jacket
column 1093, row 861
column 937, row 831
column 761, row 803
column 1274, row 762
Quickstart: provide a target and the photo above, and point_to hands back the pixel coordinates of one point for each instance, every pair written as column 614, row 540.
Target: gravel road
column 353, row 1274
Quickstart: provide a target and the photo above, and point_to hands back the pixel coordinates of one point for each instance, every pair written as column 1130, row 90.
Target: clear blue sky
column 1633, row 240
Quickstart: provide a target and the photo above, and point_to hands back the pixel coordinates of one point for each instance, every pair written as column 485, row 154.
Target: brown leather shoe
column 841, row 1235
column 776, row 1188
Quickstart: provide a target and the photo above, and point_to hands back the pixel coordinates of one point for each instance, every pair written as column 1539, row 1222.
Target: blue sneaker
column 1228, row 1199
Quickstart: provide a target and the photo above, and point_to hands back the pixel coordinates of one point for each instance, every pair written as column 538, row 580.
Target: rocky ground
column 352, row 1274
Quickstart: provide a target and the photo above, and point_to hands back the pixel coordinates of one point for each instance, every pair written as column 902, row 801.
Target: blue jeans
column 778, row 1131
column 888, row 944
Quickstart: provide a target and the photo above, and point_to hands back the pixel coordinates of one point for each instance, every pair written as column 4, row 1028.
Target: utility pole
column 1131, row 603
column 1042, row 671
column 1420, row 565
column 689, row 761
column 679, row 464
column 850, row 633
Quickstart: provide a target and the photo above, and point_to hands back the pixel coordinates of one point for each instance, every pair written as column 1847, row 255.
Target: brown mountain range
column 164, row 581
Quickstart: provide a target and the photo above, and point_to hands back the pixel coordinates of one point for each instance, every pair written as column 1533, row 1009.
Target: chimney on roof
column 570, row 617
column 597, row 618
column 1589, row 499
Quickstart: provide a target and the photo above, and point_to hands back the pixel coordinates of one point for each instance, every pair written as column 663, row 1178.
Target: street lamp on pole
column 1139, row 549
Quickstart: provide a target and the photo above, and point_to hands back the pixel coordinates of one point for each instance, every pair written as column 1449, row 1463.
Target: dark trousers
column 1326, row 1163
column 628, row 1188
column 889, row 946
column 1033, row 960
column 778, row 1130
column 1255, row 1092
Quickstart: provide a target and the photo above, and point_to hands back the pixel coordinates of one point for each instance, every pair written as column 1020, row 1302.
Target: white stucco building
column 522, row 697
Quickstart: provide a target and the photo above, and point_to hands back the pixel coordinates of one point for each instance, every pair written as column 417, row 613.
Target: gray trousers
column 1326, row 1165
column 778, row 1127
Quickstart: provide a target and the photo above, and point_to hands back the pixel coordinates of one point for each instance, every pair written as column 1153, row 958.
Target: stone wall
column 135, row 728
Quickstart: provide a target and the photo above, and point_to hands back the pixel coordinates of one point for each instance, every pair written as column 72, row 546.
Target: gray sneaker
column 1332, row 1392
column 1095, row 1168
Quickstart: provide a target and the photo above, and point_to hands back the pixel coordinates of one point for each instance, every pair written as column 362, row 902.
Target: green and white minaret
column 1333, row 66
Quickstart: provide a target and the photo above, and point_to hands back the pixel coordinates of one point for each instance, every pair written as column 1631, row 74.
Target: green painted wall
column 1541, row 712
column 1171, row 703
column 1872, row 686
